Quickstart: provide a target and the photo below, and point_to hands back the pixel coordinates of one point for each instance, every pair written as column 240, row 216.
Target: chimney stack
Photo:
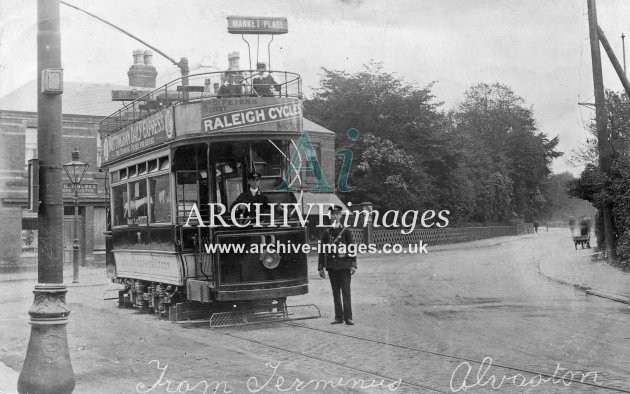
column 233, row 59
column 142, row 73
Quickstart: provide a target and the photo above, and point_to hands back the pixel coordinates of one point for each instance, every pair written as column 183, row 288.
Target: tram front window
column 229, row 176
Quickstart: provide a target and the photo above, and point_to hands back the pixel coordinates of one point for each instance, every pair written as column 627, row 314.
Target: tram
column 174, row 155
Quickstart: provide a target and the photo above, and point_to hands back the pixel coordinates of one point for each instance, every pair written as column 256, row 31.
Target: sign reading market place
column 257, row 25
column 251, row 114
column 145, row 133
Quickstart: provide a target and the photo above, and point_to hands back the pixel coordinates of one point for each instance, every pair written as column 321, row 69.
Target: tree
column 403, row 148
column 507, row 158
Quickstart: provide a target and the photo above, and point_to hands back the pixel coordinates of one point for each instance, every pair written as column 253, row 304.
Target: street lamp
column 75, row 171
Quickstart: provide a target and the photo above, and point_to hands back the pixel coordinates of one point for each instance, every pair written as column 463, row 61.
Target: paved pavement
column 87, row 276
column 582, row 271
column 590, row 273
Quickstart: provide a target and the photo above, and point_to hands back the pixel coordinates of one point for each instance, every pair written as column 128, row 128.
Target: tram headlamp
column 270, row 260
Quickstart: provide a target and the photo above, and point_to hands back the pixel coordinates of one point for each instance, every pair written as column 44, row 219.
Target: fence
column 433, row 236
column 205, row 86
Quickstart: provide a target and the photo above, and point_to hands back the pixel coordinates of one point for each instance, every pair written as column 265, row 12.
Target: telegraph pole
column 47, row 367
column 603, row 142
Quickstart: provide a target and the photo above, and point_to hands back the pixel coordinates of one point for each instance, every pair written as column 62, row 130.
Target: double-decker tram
column 176, row 161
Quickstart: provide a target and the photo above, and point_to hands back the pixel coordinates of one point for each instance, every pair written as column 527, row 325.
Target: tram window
column 160, row 198
column 268, row 161
column 120, row 200
column 164, row 163
column 142, row 168
column 187, row 193
column 138, row 201
column 153, row 165
column 132, row 171
column 229, row 178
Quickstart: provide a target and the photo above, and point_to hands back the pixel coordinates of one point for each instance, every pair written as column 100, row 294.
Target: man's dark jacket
column 248, row 198
column 334, row 260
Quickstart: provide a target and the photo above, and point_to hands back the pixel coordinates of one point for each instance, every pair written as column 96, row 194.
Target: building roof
column 312, row 126
column 79, row 98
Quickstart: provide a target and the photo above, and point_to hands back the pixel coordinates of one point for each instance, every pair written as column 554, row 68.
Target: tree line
column 590, row 185
column 484, row 160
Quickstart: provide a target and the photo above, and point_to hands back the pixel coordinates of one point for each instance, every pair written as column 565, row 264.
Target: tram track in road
column 458, row 358
column 267, row 336
column 322, row 351
column 406, row 382
column 338, row 364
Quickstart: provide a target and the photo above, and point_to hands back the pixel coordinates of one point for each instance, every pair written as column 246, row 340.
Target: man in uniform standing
column 340, row 266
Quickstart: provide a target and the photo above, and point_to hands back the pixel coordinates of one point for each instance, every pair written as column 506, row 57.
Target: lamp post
column 75, row 171
column 47, row 367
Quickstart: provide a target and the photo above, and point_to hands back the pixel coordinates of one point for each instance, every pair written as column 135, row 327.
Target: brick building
column 84, row 105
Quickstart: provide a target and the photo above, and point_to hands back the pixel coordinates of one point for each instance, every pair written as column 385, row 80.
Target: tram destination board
column 148, row 132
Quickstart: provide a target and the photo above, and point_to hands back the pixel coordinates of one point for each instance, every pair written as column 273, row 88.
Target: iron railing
column 433, row 236
column 198, row 87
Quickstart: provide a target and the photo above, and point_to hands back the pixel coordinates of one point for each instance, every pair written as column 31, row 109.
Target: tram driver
column 251, row 196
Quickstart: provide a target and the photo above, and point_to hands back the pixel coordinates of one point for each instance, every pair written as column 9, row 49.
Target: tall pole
column 603, row 143
column 75, row 232
column 47, row 367
column 613, row 60
column 623, row 47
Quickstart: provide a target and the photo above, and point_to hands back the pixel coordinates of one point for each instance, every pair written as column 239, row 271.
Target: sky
column 539, row 48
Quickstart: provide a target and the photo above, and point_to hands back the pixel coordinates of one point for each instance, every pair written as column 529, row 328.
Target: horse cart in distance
column 585, row 233
column 582, row 240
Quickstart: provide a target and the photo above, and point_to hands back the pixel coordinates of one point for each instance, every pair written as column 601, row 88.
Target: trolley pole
column 47, row 367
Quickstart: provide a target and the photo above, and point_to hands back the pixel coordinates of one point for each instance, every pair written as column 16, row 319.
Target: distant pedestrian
column 572, row 225
column 585, row 225
column 536, row 225
column 340, row 266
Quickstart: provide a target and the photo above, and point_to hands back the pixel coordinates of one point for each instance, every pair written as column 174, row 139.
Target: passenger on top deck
column 263, row 82
column 232, row 86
